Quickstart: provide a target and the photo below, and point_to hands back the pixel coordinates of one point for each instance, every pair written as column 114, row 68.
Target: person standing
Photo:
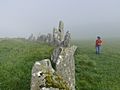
column 98, row 45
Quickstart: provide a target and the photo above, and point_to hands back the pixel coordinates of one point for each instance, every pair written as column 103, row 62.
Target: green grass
column 93, row 72
column 105, row 72
column 16, row 60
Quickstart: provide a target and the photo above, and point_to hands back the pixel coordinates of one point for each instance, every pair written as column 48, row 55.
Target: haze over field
column 83, row 18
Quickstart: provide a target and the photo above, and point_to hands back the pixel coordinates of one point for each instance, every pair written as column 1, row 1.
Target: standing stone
column 56, row 37
column 45, row 78
column 66, row 42
column 61, row 30
column 55, row 56
column 65, row 65
column 58, row 34
column 59, row 72
column 38, row 37
column 31, row 37
column 49, row 38
column 43, row 38
column 39, row 71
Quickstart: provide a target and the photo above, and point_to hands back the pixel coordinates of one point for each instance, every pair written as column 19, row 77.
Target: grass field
column 93, row 72
column 104, row 71
column 16, row 60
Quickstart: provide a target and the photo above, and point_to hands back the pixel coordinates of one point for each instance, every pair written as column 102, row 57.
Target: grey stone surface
column 49, row 39
column 66, row 42
column 39, row 72
column 65, row 65
column 59, row 72
column 63, row 57
column 43, row 38
column 58, row 34
column 31, row 37
column 56, row 38
column 55, row 55
column 44, row 77
column 61, row 30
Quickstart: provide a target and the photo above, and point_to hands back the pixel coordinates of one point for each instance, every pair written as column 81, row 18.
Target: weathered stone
column 43, row 38
column 45, row 78
column 31, row 37
column 55, row 33
column 55, row 55
column 66, row 42
column 56, row 38
column 65, row 65
column 58, row 34
column 38, row 37
column 61, row 30
column 49, row 38
column 39, row 71
column 59, row 72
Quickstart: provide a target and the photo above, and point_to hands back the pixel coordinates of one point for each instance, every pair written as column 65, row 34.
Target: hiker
column 98, row 45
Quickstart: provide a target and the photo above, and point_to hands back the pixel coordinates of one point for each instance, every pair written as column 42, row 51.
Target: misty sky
column 83, row 18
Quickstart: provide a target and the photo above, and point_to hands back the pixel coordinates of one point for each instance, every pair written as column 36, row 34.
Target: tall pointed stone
column 61, row 30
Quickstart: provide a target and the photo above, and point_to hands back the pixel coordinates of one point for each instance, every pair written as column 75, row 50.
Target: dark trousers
column 98, row 48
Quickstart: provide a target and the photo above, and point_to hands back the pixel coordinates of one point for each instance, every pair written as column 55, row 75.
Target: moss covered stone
column 56, row 81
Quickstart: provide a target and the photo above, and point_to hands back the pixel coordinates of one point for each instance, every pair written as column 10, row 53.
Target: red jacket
column 98, row 42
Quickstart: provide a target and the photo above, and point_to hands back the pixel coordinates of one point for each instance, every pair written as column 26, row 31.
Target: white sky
column 83, row 18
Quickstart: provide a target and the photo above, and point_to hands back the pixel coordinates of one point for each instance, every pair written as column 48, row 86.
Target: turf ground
column 104, row 71
column 93, row 72
column 16, row 60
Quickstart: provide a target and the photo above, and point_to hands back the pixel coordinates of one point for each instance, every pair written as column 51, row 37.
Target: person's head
column 98, row 37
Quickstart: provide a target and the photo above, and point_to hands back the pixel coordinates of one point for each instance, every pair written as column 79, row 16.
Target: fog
column 83, row 18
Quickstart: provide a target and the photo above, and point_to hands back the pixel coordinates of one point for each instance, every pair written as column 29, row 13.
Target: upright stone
column 63, row 57
column 43, row 38
column 31, row 37
column 56, row 37
column 59, row 72
column 55, row 34
column 61, row 30
column 44, row 77
column 67, row 38
column 49, row 38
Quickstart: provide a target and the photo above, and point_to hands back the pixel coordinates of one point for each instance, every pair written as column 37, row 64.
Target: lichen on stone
column 56, row 81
